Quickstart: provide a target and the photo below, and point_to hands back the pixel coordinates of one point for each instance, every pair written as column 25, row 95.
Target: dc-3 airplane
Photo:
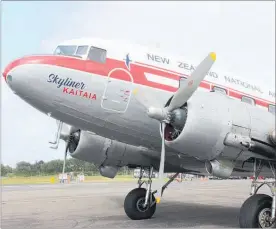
column 119, row 104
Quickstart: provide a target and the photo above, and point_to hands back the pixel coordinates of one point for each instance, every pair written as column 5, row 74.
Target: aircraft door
column 118, row 90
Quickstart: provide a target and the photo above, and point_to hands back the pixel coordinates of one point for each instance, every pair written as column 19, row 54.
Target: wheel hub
column 265, row 218
column 140, row 205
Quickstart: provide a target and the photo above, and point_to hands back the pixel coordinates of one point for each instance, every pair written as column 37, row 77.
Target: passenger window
column 220, row 90
column 82, row 50
column 97, row 55
column 248, row 100
column 271, row 108
column 65, row 50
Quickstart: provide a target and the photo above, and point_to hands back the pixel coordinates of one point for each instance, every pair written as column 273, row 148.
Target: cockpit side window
column 65, row 50
column 97, row 54
column 82, row 50
column 220, row 90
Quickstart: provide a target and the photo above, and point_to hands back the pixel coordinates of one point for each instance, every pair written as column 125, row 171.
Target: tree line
column 41, row 168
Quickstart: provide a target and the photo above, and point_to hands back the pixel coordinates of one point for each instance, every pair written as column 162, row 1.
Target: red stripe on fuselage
column 89, row 66
column 209, row 85
column 136, row 70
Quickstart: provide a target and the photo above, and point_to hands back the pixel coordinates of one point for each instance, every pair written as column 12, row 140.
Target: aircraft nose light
column 8, row 78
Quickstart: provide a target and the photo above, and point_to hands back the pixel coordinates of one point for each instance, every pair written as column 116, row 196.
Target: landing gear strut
column 258, row 211
column 140, row 203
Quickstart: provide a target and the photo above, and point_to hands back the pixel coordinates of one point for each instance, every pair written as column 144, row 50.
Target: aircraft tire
column 133, row 205
column 251, row 210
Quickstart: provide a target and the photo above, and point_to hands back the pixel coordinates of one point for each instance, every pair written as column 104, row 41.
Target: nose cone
column 9, row 67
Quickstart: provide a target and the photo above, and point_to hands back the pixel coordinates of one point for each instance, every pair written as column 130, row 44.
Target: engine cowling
column 205, row 126
column 108, row 154
column 209, row 118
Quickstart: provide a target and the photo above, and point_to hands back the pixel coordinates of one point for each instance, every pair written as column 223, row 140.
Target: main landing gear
column 258, row 211
column 140, row 203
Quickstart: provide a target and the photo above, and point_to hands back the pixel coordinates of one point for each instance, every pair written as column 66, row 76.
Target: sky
column 241, row 33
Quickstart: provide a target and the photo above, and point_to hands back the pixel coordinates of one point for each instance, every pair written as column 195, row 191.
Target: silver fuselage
column 106, row 106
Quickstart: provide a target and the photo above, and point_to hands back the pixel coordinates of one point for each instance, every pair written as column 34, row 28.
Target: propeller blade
column 66, row 131
column 65, row 128
column 65, row 156
column 191, row 84
column 161, row 166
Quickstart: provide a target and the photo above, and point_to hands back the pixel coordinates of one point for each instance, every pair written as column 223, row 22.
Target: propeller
column 67, row 136
column 164, row 115
column 65, row 156
column 191, row 85
column 65, row 132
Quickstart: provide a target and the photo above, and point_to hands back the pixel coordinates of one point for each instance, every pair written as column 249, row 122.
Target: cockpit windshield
column 66, row 50
column 83, row 51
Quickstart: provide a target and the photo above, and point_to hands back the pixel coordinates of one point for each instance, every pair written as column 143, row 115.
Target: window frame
column 94, row 47
column 247, row 97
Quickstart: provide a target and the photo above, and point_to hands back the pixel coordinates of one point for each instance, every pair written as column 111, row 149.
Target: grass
column 54, row 179
column 27, row 180
column 101, row 178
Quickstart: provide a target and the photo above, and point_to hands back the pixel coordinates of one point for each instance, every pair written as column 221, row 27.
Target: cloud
column 242, row 33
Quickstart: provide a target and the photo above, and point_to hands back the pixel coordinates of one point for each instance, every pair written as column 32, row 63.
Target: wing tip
column 213, row 56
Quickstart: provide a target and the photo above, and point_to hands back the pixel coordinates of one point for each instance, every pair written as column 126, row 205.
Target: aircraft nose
column 7, row 70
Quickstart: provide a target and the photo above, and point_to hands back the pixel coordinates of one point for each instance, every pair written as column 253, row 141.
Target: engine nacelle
column 205, row 127
column 210, row 117
column 218, row 168
column 89, row 147
column 108, row 154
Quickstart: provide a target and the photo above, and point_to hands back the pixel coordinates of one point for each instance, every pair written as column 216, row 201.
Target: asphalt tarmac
column 208, row 204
